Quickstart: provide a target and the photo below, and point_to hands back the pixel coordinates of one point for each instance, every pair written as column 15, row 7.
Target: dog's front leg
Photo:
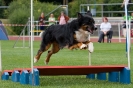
column 75, row 46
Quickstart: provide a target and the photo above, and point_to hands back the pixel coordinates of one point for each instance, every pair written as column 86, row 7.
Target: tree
column 74, row 7
column 3, row 12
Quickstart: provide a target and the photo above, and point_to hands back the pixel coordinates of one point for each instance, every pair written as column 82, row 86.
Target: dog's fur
column 74, row 35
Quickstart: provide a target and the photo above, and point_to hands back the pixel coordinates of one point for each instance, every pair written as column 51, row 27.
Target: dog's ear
column 79, row 15
column 89, row 13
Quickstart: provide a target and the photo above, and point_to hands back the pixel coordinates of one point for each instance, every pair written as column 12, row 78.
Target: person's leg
column 100, row 36
column 109, row 36
column 41, row 27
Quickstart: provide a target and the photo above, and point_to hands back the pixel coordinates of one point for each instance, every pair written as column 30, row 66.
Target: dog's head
column 86, row 23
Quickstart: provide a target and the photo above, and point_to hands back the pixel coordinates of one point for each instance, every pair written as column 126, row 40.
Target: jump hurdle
column 75, row 70
column 116, row 73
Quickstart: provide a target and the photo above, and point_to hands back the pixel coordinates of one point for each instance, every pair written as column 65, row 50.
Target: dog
column 74, row 35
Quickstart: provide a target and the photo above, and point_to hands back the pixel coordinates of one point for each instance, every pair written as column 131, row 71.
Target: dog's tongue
column 90, row 31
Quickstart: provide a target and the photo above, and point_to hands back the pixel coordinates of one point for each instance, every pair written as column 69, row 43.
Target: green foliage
column 46, row 8
column 19, row 12
column 75, row 7
column 3, row 12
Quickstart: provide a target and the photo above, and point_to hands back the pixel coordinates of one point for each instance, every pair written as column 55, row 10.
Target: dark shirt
column 41, row 20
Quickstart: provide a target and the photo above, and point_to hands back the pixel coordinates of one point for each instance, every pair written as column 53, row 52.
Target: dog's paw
column 46, row 63
column 90, row 47
column 35, row 60
column 41, row 34
column 83, row 46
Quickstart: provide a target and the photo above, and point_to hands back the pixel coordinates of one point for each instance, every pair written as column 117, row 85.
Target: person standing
column 41, row 21
column 63, row 19
column 51, row 19
column 105, row 30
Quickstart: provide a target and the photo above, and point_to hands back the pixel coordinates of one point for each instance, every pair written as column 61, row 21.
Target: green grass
column 104, row 54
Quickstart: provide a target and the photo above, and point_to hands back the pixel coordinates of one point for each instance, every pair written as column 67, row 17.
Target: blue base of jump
column 24, row 77
column 122, row 76
column 125, row 76
column 15, row 76
column 91, row 76
column 5, row 76
column 34, row 78
column 113, row 76
column 101, row 76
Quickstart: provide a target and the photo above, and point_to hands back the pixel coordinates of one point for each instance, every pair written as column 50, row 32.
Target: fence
column 103, row 9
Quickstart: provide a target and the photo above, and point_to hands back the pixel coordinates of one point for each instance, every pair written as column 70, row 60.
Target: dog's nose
column 95, row 27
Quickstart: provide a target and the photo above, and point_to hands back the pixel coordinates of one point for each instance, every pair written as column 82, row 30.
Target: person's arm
column 66, row 18
column 49, row 19
column 109, row 27
column 59, row 18
column 101, row 27
column 123, row 3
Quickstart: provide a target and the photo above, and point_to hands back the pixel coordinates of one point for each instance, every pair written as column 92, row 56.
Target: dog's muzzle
column 90, row 29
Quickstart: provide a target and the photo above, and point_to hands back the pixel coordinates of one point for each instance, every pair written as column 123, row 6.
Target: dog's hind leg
column 40, row 51
column 55, row 49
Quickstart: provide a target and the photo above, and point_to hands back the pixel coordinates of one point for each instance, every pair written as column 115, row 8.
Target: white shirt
column 126, row 1
column 105, row 26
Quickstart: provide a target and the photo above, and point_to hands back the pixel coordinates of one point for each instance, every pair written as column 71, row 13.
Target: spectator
column 128, row 18
column 51, row 19
column 105, row 30
column 63, row 19
column 41, row 21
column 131, row 17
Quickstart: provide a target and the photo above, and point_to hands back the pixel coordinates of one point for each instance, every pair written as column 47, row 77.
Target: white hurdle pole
column 127, row 36
column 31, row 35
column 89, row 54
column 119, row 32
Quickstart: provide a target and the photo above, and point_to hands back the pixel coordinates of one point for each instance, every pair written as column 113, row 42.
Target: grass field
column 104, row 54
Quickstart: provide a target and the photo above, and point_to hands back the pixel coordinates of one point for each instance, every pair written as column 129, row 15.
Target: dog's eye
column 83, row 24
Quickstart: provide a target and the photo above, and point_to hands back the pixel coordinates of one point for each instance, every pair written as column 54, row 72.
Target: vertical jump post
column 119, row 32
column 127, row 35
column 89, row 54
column 31, row 22
column 34, row 75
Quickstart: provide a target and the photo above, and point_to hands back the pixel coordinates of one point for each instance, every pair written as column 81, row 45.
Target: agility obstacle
column 116, row 73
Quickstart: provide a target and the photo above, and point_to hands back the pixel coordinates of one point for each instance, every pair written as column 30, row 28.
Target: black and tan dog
column 74, row 35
